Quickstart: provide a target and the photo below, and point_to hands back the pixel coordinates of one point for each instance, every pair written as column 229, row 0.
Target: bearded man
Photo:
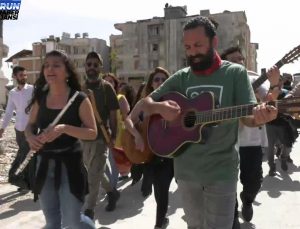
column 18, row 99
column 207, row 173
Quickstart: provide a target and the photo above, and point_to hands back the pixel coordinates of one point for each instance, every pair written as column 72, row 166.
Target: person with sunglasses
column 118, row 166
column 96, row 152
column 159, row 171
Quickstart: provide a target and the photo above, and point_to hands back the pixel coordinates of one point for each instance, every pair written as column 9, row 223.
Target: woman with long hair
column 129, row 93
column 159, row 171
column 61, row 178
column 123, row 166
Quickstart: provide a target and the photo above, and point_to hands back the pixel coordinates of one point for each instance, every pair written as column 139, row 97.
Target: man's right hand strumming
column 168, row 109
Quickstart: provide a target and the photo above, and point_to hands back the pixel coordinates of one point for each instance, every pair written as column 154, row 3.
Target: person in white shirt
column 251, row 139
column 18, row 99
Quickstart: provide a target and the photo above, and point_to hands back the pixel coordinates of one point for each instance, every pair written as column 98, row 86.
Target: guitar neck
column 260, row 80
column 289, row 105
column 223, row 114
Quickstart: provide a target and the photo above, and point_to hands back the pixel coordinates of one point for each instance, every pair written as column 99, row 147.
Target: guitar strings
column 215, row 115
column 238, row 111
column 220, row 113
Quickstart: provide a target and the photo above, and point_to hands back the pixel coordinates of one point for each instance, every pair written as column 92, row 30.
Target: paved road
column 277, row 205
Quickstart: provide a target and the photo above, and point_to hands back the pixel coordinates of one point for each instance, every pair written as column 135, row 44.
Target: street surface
column 277, row 206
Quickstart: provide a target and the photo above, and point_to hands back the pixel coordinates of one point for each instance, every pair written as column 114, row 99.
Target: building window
column 157, row 30
column 136, row 64
column 154, row 63
column 155, row 47
column 75, row 63
column 120, row 65
column 67, row 49
column 154, row 30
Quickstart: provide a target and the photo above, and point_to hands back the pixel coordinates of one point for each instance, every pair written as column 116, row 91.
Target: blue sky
column 275, row 26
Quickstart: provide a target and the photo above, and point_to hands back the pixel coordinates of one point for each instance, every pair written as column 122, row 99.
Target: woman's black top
column 65, row 149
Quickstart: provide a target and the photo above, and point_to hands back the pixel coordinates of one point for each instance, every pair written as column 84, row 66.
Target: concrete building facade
column 233, row 30
column 146, row 44
column 77, row 48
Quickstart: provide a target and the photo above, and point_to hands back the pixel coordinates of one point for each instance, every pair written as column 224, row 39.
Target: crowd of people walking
column 85, row 148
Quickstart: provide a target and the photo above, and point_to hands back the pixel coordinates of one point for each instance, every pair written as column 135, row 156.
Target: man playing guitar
column 207, row 173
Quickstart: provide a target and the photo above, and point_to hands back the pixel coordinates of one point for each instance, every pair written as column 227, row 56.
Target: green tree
column 113, row 61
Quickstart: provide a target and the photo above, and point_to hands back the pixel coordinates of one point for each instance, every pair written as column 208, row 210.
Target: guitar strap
column 91, row 96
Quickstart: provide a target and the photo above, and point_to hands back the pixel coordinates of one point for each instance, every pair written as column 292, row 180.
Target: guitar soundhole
column 189, row 119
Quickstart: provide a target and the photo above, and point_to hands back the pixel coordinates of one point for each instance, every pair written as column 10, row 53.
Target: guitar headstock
column 291, row 56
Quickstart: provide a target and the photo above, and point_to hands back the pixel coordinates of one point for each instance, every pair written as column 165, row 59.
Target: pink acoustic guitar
column 165, row 138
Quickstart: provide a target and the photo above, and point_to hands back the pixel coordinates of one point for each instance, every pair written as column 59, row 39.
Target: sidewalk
column 277, row 206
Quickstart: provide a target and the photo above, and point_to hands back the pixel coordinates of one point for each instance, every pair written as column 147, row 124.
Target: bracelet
column 274, row 86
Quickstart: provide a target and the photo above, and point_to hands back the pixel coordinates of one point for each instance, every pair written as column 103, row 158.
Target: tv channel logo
column 9, row 9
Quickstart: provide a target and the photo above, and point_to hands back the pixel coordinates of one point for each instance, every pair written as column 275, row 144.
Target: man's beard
column 206, row 61
column 21, row 81
column 92, row 75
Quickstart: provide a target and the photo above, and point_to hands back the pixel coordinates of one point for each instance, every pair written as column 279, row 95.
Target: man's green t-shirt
column 217, row 159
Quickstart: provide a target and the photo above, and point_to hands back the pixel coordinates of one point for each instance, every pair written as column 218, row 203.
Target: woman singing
column 60, row 182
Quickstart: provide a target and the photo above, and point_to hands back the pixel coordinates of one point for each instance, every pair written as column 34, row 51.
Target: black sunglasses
column 159, row 79
column 95, row 65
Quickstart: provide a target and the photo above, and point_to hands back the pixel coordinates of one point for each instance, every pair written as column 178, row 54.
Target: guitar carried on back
column 122, row 162
column 166, row 138
column 288, row 58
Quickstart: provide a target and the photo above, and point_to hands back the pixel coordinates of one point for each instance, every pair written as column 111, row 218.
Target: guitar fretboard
column 222, row 114
column 288, row 105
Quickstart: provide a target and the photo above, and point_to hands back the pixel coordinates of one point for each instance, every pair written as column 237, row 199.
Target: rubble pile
column 8, row 150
